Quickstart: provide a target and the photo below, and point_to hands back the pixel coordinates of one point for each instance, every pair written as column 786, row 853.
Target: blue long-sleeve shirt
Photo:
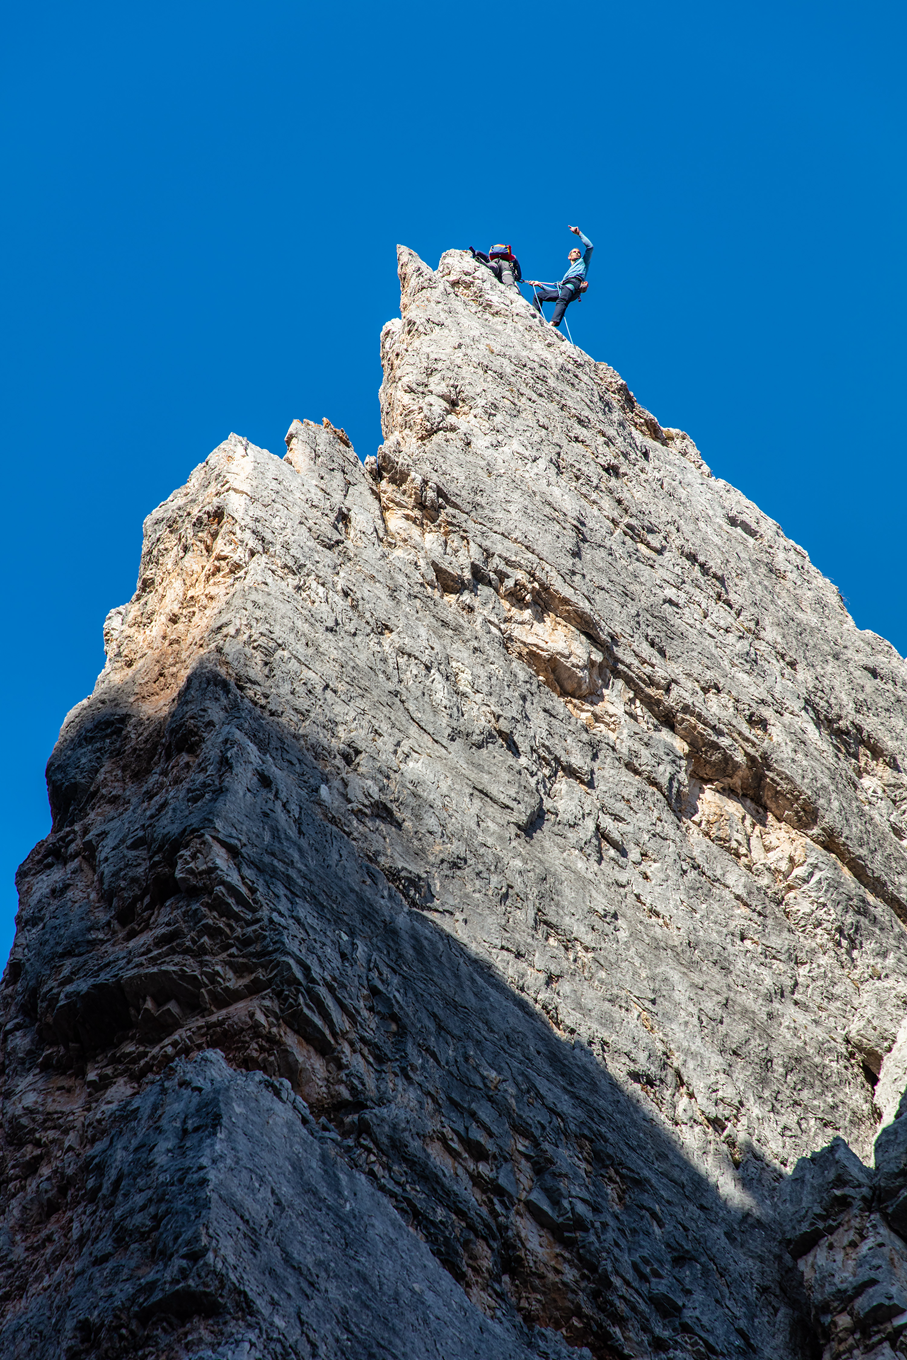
column 581, row 268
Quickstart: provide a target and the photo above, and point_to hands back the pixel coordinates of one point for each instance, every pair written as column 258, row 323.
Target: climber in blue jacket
column 569, row 288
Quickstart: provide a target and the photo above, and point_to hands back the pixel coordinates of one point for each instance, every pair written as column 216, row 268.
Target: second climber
column 571, row 285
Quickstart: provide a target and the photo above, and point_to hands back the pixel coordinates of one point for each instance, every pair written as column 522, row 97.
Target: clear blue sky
column 201, row 208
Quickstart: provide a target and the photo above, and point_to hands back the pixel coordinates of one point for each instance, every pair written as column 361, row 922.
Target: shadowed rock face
column 476, row 882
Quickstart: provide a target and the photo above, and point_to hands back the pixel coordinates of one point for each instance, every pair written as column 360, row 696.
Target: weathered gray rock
column 522, row 818
column 822, row 1190
column 218, row 1201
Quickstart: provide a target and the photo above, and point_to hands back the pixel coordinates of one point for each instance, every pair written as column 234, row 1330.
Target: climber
column 571, row 286
column 503, row 264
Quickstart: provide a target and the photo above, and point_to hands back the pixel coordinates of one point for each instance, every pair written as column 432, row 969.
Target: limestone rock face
column 477, row 882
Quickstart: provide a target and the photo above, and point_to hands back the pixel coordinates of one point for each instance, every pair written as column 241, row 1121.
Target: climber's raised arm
column 586, row 242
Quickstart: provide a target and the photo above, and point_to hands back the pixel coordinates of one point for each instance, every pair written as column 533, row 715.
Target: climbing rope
column 542, row 314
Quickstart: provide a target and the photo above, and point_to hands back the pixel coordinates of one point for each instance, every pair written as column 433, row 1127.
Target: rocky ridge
column 473, row 919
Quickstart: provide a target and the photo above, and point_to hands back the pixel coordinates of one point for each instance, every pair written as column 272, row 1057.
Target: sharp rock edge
column 473, row 919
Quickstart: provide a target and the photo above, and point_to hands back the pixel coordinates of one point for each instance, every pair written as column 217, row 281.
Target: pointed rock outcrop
column 476, row 879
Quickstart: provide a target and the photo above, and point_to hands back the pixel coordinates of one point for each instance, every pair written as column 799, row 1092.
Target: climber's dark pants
column 563, row 295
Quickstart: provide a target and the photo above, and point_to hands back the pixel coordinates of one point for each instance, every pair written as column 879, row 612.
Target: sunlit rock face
column 477, row 880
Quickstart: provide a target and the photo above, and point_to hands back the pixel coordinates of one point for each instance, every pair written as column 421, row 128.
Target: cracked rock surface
column 473, row 919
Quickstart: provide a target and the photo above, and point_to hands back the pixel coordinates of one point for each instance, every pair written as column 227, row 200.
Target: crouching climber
column 503, row 264
column 571, row 286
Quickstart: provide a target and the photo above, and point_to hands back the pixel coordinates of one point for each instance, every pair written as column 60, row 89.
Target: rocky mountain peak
column 473, row 919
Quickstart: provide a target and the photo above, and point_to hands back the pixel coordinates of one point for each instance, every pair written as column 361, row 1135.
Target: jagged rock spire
column 490, row 860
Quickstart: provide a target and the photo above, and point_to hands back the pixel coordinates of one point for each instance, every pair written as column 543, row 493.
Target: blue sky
column 201, row 207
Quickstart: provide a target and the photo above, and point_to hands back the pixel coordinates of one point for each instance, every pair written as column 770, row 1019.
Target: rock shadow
column 504, row 1194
